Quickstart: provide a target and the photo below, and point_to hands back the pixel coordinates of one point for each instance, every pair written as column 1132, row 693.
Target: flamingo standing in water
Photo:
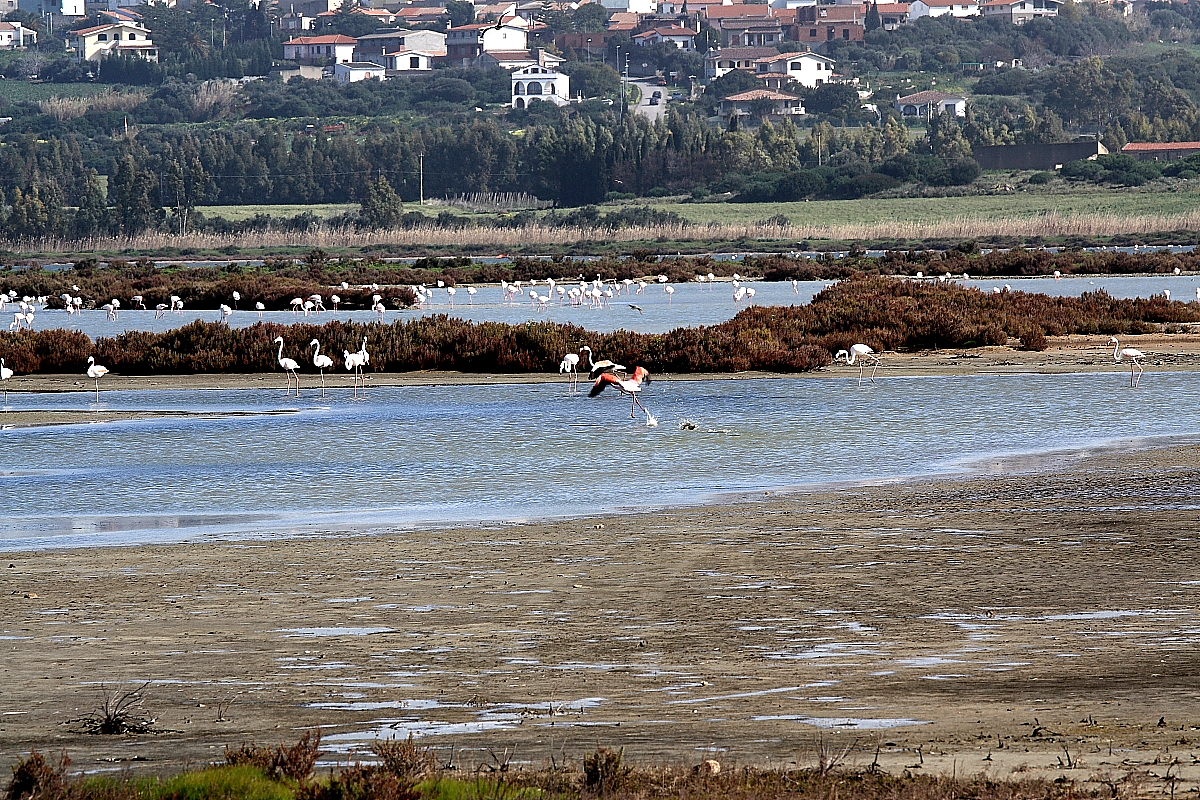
column 569, row 365
column 5, row 374
column 1134, row 357
column 259, row 307
column 629, row 386
column 96, row 372
column 289, row 367
column 860, row 353
column 320, row 362
column 354, row 362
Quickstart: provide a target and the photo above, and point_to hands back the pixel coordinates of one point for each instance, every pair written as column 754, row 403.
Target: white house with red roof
column 333, row 47
column 683, row 38
column 466, row 43
column 1018, row 12
column 118, row 38
column 14, row 35
column 942, row 8
column 807, row 69
column 540, row 83
column 930, row 102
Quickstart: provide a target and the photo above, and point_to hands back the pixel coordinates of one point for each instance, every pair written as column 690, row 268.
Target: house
column 750, row 32
column 1036, row 156
column 631, row 6
column 409, row 16
column 1160, row 151
column 816, row 25
column 717, row 62
column 942, row 8
column 927, row 103
column 807, row 69
column 1018, row 12
column 683, row 38
column 466, row 43
column 763, row 104
column 891, row 15
column 585, row 44
column 409, row 60
column 60, row 11
column 494, row 12
column 519, row 59
column 367, row 47
column 332, row 47
column 540, row 83
column 296, row 22
column 355, row 71
column 118, row 38
column 305, row 71
column 14, row 35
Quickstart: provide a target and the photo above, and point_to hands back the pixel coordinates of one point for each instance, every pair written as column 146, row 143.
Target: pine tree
column 381, row 207
column 873, row 21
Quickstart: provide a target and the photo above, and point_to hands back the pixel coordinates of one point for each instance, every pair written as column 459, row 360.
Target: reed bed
column 1044, row 226
column 885, row 313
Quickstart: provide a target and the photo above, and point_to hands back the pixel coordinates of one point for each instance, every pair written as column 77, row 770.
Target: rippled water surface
column 252, row 463
column 691, row 304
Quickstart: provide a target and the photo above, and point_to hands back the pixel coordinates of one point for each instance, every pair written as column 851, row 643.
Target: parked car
column 656, row 93
column 653, row 101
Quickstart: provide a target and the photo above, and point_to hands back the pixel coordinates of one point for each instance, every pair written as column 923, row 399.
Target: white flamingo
column 259, row 307
column 569, row 365
column 5, row 374
column 289, row 367
column 160, row 311
column 860, row 353
column 670, row 290
column 596, row 368
column 96, row 372
column 471, row 290
column 333, row 298
column 236, row 297
column 321, row 362
column 226, row 311
column 139, row 302
column 354, row 361
column 1134, row 356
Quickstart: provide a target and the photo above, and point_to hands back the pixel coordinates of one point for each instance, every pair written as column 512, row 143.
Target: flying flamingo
column 320, row 362
column 569, row 365
column 5, row 374
column 1133, row 355
column 289, row 367
column 595, row 368
column 629, row 386
column 859, row 351
column 96, row 372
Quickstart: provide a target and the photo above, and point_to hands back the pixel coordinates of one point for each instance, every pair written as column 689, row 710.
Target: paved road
column 653, row 113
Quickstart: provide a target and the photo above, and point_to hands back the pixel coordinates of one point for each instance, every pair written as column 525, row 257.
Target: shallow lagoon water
column 691, row 304
column 254, row 464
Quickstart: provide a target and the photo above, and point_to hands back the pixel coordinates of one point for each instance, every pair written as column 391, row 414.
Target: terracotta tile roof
column 1144, row 147
column 741, row 53
column 761, row 94
column 927, row 97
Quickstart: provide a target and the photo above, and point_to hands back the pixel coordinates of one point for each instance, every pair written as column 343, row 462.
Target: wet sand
column 1171, row 352
column 1041, row 618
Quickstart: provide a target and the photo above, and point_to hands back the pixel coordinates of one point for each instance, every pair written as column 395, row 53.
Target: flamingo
column 471, row 290
column 138, row 302
column 96, row 372
column 569, row 365
column 109, row 311
column 354, row 362
column 259, row 307
column 859, row 351
column 289, row 367
column 366, row 357
column 333, row 298
column 296, row 304
column 160, row 311
column 451, row 291
column 226, row 311
column 795, row 286
column 1133, row 355
column 5, row 374
column 236, row 297
column 595, row 368
column 320, row 362
column 670, row 290
column 629, row 386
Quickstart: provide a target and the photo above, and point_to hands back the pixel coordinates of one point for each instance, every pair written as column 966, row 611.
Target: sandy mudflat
column 1040, row 619
column 1173, row 352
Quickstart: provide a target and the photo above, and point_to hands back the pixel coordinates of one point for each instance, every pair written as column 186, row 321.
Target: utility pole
column 421, row 162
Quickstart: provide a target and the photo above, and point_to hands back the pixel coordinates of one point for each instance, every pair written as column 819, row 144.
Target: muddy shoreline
column 986, row 624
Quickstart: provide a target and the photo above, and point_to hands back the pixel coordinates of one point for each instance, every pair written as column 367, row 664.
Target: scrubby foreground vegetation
column 886, row 313
column 403, row 770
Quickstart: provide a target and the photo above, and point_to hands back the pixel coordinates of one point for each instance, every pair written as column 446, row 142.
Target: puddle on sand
column 843, row 722
column 335, row 631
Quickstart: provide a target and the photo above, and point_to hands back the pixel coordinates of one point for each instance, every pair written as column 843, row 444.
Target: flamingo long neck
column 850, row 358
column 280, row 359
column 591, row 362
column 1117, row 352
column 317, row 351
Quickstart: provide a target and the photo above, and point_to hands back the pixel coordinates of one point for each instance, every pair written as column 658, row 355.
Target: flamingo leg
column 861, row 364
column 877, row 362
column 97, row 390
column 322, row 383
column 638, row 403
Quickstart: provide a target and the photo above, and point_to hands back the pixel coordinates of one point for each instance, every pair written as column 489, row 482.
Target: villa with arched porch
column 540, row 83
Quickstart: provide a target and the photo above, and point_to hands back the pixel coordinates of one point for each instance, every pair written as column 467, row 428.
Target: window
column 102, row 37
column 829, row 32
column 414, row 62
column 813, row 33
column 550, row 89
column 535, row 87
column 845, row 33
column 518, row 88
column 116, row 37
column 796, row 65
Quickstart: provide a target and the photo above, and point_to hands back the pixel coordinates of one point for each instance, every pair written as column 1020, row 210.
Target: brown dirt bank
column 1036, row 624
